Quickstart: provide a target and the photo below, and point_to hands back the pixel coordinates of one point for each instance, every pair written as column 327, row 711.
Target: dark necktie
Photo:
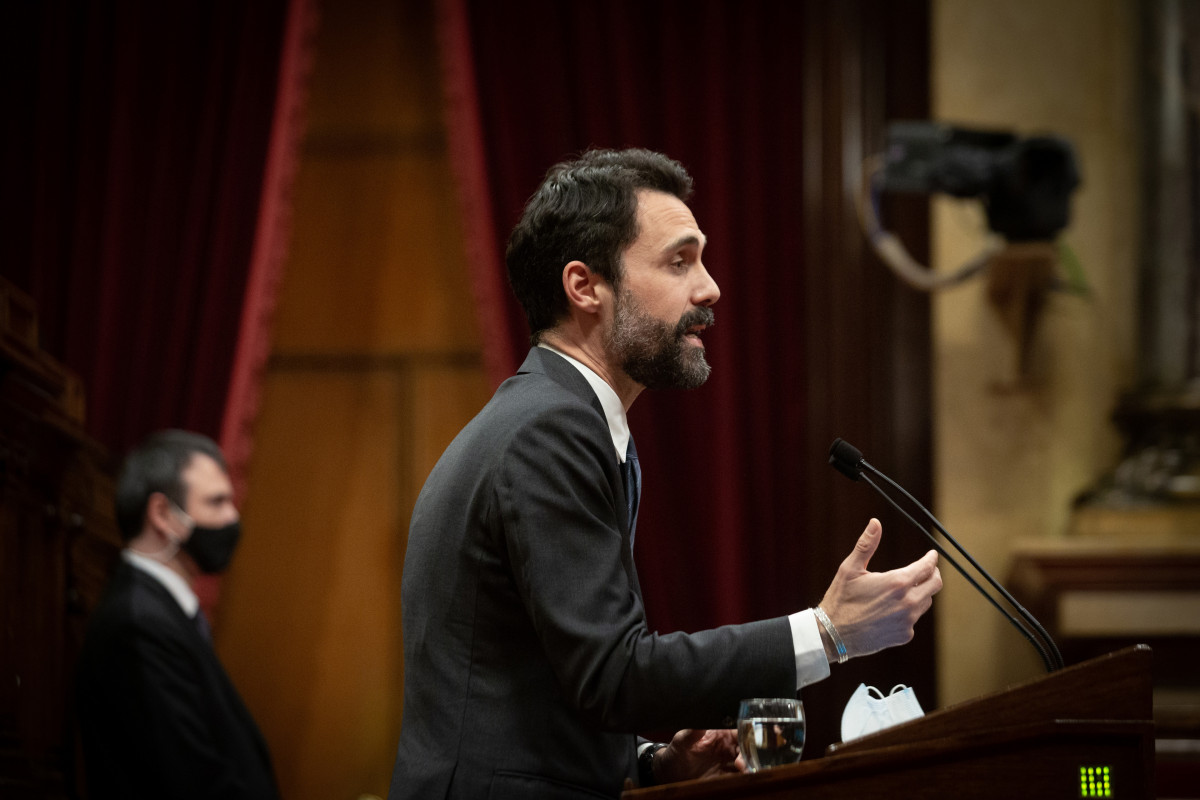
column 631, row 471
column 202, row 625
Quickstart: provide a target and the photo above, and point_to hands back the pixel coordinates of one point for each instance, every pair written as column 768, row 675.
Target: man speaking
column 529, row 664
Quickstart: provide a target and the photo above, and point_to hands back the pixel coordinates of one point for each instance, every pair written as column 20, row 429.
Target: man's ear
column 161, row 513
column 585, row 289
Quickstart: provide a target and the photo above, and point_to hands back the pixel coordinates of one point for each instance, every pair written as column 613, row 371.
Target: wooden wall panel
column 1012, row 455
column 377, row 70
column 310, row 621
column 377, row 262
column 445, row 397
column 309, row 625
column 375, row 366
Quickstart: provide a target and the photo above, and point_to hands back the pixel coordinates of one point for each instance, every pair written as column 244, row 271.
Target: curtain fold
column 135, row 149
column 271, row 240
column 500, row 325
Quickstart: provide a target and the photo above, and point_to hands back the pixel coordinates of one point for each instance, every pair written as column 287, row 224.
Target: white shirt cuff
column 811, row 663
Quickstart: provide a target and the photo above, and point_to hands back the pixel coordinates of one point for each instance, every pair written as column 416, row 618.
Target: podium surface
column 1084, row 731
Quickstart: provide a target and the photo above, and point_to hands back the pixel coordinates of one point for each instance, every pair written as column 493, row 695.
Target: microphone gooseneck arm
column 1047, row 660
column 1057, row 658
column 848, row 460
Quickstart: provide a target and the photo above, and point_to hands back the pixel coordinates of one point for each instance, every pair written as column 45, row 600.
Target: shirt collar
column 614, row 409
column 169, row 578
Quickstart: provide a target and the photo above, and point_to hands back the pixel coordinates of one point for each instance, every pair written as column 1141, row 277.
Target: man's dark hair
column 157, row 465
column 585, row 210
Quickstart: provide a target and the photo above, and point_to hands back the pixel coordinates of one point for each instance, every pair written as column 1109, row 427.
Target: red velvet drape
column 136, row 144
column 772, row 106
column 272, row 235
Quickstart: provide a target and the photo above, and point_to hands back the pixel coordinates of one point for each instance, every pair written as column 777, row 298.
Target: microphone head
column 846, row 458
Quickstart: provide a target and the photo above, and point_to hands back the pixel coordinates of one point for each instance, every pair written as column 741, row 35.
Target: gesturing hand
column 876, row 610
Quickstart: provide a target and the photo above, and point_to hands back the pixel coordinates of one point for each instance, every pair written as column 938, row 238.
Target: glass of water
column 770, row 732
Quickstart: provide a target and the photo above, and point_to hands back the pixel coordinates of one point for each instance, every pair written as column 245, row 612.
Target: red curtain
column 145, row 156
column 272, row 235
column 772, row 106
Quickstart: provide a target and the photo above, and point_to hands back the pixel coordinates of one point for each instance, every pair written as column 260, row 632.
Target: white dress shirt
column 169, row 578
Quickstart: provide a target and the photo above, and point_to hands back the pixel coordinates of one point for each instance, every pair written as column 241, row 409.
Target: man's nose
column 707, row 292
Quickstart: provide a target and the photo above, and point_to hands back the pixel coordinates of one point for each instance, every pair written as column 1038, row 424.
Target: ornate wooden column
column 57, row 542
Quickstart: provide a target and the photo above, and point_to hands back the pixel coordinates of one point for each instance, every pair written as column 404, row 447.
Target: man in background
column 529, row 663
column 158, row 716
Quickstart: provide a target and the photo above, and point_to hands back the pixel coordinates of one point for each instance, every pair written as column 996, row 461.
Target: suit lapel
column 154, row 592
column 160, row 595
column 558, row 369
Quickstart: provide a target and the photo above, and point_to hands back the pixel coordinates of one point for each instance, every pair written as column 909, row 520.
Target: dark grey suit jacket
column 158, row 716
column 528, row 663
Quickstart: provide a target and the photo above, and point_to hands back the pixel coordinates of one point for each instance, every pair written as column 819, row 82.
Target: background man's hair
column 585, row 210
column 157, row 465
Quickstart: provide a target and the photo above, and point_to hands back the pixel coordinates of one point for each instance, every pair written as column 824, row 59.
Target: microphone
column 848, row 460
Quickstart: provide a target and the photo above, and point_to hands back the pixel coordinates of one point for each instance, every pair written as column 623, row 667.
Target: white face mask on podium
column 870, row 710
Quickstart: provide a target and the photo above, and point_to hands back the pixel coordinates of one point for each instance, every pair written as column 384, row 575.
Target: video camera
column 1025, row 184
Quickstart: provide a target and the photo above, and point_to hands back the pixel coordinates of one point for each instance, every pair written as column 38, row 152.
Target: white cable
column 892, row 252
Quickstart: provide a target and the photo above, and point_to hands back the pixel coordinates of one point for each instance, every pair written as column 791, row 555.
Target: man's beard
column 653, row 353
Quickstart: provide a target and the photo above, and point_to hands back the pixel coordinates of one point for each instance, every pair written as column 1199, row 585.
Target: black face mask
column 212, row 548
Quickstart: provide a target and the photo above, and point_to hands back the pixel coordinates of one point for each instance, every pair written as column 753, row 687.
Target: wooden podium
column 1084, row 731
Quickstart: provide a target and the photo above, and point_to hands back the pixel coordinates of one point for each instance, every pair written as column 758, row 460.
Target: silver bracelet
column 838, row 644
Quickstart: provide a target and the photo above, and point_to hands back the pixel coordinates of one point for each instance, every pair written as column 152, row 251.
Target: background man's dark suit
column 158, row 715
column 530, row 665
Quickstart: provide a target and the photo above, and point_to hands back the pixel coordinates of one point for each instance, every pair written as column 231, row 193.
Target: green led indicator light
column 1095, row 782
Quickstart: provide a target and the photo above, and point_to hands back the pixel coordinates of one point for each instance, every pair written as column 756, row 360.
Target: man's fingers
column 865, row 547
column 687, row 737
column 925, row 569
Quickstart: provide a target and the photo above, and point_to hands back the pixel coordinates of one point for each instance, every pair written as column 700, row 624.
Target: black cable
column 1046, row 659
column 1032, row 620
column 847, row 459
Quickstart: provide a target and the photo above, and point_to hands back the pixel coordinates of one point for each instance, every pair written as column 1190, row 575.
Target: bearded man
column 529, row 665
